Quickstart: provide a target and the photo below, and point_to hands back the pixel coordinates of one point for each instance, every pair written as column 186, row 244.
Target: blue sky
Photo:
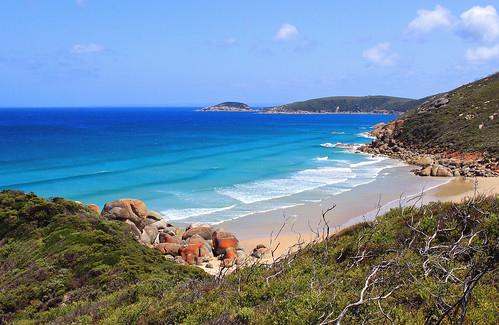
column 172, row 53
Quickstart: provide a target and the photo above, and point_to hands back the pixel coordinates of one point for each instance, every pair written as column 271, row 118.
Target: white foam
column 299, row 182
column 365, row 135
column 322, row 158
column 334, row 132
column 371, row 161
column 327, row 145
column 179, row 214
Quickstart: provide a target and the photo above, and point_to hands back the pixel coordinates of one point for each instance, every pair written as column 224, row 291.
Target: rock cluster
column 197, row 245
column 434, row 103
column 442, row 164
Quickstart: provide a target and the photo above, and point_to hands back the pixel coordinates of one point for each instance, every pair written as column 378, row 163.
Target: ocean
column 192, row 167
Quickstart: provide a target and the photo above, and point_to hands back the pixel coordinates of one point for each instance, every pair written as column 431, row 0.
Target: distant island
column 348, row 105
column 228, row 107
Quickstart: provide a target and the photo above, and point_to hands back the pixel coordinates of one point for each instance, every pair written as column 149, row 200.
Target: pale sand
column 397, row 186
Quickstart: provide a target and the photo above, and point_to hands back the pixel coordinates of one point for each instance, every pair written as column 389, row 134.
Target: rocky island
column 228, row 107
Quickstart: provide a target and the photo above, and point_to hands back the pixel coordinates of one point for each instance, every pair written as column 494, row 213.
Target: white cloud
column 380, row 54
column 86, row 48
column 427, row 20
column 480, row 23
column 286, row 32
column 483, row 54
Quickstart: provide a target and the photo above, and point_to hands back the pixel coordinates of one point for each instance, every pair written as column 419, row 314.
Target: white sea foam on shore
column 365, row 135
column 299, row 182
column 179, row 214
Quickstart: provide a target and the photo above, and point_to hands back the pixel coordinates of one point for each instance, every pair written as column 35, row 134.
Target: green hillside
column 60, row 263
column 468, row 121
column 343, row 104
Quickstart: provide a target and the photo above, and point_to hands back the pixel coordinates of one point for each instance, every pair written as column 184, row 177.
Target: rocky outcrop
column 171, row 249
column 441, row 164
column 132, row 210
column 205, row 232
column 222, row 241
column 94, row 208
column 195, row 246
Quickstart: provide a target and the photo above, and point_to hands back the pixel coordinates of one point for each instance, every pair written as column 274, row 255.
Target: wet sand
column 284, row 228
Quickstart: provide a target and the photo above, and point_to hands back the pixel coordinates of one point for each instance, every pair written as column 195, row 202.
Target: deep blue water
column 186, row 164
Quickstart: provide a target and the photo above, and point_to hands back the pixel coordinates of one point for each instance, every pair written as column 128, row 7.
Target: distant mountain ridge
column 348, row 104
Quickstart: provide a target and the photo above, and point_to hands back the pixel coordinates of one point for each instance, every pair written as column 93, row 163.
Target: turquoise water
column 190, row 166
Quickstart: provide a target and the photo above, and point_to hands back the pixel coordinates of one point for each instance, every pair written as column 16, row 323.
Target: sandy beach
column 283, row 229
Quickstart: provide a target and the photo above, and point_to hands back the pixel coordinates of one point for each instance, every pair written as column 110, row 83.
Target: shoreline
column 283, row 230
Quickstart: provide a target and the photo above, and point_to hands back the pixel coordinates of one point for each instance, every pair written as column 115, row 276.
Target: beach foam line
column 371, row 161
column 365, row 135
column 298, row 182
column 179, row 214
column 247, row 214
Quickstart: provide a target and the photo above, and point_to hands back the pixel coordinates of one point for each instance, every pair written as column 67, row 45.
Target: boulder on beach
column 169, row 238
column 149, row 235
column 168, row 248
column 205, row 248
column 129, row 209
column 204, row 231
column 134, row 230
column 229, row 257
column 223, row 240
column 440, row 171
column 196, row 250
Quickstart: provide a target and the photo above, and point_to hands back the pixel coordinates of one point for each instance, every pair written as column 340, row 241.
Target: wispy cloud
column 483, row 54
column 86, row 48
column 230, row 41
column 380, row 54
column 286, row 32
column 480, row 24
column 428, row 20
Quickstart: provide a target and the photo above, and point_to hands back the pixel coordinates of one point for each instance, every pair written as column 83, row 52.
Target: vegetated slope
column 345, row 104
column 465, row 120
column 228, row 107
column 412, row 265
column 60, row 257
